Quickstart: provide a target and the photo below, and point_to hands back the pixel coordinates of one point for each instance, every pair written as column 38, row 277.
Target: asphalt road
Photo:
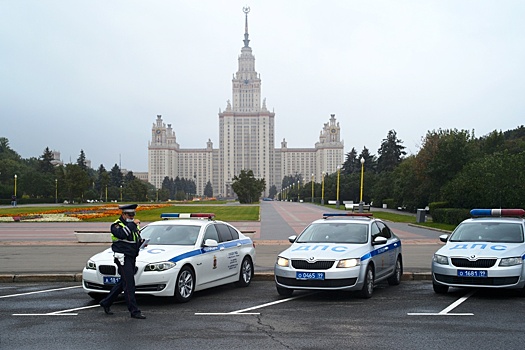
column 409, row 316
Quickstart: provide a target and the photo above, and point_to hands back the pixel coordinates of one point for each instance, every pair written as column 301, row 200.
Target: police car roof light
column 166, row 216
column 497, row 212
column 327, row 215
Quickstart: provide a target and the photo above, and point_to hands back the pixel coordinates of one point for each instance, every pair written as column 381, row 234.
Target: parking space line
column 61, row 312
column 37, row 292
column 445, row 311
column 242, row 312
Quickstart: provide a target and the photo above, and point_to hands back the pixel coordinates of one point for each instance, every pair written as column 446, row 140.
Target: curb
column 77, row 277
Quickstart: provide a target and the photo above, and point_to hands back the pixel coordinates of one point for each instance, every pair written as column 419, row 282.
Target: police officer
column 126, row 244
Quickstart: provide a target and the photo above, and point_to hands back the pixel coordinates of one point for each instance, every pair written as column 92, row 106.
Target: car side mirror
column 292, row 238
column 443, row 238
column 210, row 243
column 379, row 240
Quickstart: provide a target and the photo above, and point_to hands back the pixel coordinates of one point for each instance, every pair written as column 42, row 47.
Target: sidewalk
column 64, row 261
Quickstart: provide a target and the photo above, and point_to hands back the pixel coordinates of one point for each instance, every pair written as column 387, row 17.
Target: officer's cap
column 128, row 208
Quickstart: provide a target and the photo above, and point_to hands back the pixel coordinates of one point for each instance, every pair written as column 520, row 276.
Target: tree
column 390, row 153
column 247, row 187
column 351, row 164
column 370, row 164
column 45, row 162
column 272, row 192
column 81, row 160
column 443, row 154
column 77, row 182
column 115, row 177
column 208, row 190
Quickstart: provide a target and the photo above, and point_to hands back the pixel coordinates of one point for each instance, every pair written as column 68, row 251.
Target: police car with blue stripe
column 192, row 253
column 486, row 250
column 342, row 251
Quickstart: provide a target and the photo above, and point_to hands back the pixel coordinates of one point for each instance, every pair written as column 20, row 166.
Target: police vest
column 135, row 235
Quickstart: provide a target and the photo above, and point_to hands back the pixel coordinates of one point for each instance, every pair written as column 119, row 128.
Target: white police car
column 342, row 251
column 484, row 251
column 182, row 256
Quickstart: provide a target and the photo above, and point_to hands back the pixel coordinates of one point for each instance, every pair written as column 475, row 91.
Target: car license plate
column 309, row 275
column 111, row 280
column 472, row 273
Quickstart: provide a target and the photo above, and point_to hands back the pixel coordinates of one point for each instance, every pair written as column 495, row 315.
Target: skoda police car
column 486, row 250
column 342, row 251
column 191, row 253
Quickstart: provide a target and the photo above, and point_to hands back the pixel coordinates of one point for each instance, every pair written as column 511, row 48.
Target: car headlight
column 160, row 266
column 511, row 261
column 283, row 261
column 440, row 259
column 349, row 263
column 91, row 265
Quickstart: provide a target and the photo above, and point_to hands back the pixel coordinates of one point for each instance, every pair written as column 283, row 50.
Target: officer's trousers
column 126, row 285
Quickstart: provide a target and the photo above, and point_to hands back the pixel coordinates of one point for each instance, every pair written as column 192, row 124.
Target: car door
column 230, row 249
column 389, row 254
column 207, row 264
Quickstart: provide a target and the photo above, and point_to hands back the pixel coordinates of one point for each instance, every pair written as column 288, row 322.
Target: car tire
column 246, row 273
column 185, row 285
column 97, row 296
column 395, row 279
column 439, row 288
column 368, row 285
column 285, row 292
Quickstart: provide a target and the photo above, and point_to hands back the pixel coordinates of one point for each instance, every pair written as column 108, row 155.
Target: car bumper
column 497, row 277
column 157, row 283
column 334, row 279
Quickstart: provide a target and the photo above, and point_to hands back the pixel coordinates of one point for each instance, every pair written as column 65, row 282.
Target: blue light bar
column 326, row 215
column 498, row 212
column 186, row 215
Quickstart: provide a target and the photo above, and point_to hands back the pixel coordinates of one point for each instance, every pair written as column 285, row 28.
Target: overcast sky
column 93, row 75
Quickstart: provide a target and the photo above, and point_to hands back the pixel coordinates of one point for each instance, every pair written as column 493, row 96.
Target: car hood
column 482, row 249
column 154, row 253
column 331, row 251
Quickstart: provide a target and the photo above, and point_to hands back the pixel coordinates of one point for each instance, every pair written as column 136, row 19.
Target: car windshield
column 335, row 233
column 171, row 234
column 488, row 232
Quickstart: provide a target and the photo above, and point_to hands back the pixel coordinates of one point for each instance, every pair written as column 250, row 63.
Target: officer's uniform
column 126, row 244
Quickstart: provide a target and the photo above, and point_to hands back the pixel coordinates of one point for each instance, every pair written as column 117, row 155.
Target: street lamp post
column 312, row 187
column 337, row 196
column 14, row 198
column 121, row 193
column 361, row 192
column 56, row 191
column 106, row 193
column 322, row 190
column 298, row 189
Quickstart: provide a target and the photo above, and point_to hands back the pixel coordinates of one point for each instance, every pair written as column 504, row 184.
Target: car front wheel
column 246, row 273
column 185, row 285
column 368, row 285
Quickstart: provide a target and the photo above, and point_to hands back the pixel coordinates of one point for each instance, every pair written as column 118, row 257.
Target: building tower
column 246, row 130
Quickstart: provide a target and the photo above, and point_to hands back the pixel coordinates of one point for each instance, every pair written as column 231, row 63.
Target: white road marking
column 61, row 312
column 242, row 312
column 445, row 311
column 37, row 292
column 50, row 314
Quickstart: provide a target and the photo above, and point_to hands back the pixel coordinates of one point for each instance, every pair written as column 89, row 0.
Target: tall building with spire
column 246, row 142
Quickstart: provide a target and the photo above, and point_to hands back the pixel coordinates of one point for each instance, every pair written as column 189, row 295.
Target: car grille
column 477, row 281
column 143, row 288
column 107, row 270
column 318, row 265
column 292, row 282
column 461, row 262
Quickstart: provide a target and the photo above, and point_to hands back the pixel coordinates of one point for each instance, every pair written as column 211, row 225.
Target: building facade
column 246, row 142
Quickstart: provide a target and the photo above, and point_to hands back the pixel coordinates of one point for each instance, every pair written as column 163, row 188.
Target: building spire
column 246, row 10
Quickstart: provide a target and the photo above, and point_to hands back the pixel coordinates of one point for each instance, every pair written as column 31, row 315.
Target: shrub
column 452, row 216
